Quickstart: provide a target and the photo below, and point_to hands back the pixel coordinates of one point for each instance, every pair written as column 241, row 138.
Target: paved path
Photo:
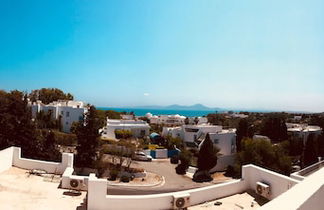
column 173, row 181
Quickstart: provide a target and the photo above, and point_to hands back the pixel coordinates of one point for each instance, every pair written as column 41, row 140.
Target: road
column 173, row 181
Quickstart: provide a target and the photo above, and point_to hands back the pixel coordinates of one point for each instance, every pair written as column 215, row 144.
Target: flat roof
column 237, row 202
column 20, row 190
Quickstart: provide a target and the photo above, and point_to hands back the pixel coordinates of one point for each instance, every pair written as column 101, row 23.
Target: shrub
column 185, row 157
column 125, row 179
column 174, row 159
column 123, row 134
column 65, row 139
column 113, row 173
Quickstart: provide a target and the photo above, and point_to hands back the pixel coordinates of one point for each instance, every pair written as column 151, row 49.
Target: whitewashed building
column 127, row 117
column 225, row 140
column 168, row 120
column 139, row 128
column 67, row 112
column 190, row 133
column 175, row 120
column 302, row 131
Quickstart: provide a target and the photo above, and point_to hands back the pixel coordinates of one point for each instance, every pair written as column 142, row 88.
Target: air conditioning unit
column 76, row 184
column 181, row 201
column 263, row 189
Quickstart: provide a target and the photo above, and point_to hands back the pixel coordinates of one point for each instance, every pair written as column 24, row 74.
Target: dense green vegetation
column 18, row 129
column 48, row 95
column 263, row 153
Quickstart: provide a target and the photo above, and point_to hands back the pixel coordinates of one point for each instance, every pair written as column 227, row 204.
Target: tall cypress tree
column 87, row 133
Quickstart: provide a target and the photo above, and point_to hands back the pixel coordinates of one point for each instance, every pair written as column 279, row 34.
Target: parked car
column 142, row 156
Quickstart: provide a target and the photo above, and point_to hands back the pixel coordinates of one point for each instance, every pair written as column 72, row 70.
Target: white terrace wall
column 50, row 167
column 6, row 159
column 278, row 182
column 307, row 195
column 99, row 200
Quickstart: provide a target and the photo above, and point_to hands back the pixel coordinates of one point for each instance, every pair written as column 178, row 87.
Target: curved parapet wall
column 99, row 200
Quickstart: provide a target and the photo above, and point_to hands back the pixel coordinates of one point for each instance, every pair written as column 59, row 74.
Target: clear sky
column 249, row 54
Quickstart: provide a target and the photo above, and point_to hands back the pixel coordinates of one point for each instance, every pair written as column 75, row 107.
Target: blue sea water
column 142, row 112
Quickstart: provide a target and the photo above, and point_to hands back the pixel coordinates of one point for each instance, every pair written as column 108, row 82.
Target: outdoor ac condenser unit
column 181, row 201
column 76, row 184
column 263, row 189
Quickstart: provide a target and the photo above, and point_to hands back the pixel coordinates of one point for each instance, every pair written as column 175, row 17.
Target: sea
column 142, row 112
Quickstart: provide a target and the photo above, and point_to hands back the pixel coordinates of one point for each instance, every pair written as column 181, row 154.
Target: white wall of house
column 70, row 111
column 193, row 132
column 225, row 141
column 175, row 132
column 138, row 128
column 69, row 116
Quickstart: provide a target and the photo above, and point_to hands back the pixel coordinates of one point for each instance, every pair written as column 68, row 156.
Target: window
column 67, row 114
column 233, row 145
column 216, row 141
column 191, row 130
column 142, row 133
column 62, row 113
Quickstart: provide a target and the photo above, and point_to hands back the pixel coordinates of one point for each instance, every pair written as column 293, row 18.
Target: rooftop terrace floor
column 234, row 202
column 20, row 190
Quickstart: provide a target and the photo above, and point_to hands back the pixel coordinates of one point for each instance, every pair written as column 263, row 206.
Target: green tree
column 274, row 126
column 48, row 95
column 207, row 159
column 207, row 156
column 184, row 157
column 243, row 130
column 17, row 127
column 171, row 142
column 311, row 151
column 263, row 153
column 87, row 137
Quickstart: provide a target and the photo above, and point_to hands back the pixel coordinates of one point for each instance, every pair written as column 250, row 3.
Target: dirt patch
column 150, row 179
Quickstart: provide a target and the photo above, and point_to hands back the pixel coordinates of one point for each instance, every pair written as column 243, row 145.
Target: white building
column 225, row 140
column 174, row 120
column 191, row 133
column 302, row 131
column 65, row 111
column 127, row 117
column 139, row 128
column 168, row 120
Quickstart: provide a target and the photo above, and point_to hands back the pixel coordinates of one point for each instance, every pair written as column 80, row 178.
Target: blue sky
column 233, row 54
